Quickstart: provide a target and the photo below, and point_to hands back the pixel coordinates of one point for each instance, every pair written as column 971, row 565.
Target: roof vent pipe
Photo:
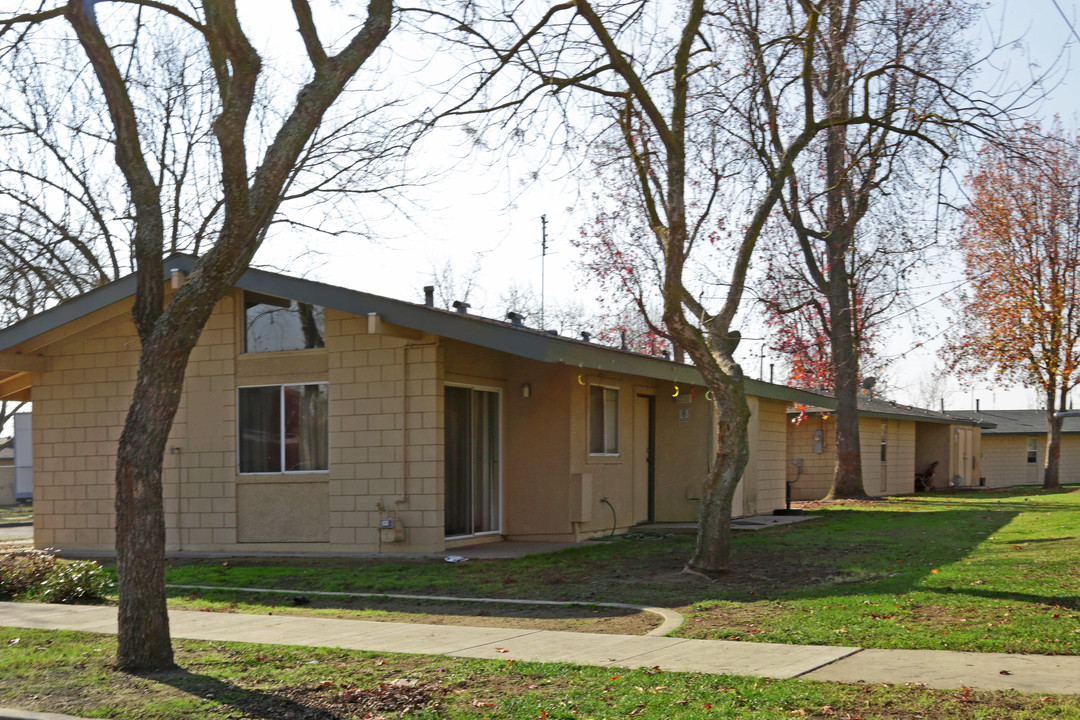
column 586, row 336
column 429, row 295
column 666, row 354
column 462, row 307
column 515, row 318
column 622, row 339
column 977, row 405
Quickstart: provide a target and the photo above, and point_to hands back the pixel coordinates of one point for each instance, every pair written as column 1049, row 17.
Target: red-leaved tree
column 1019, row 318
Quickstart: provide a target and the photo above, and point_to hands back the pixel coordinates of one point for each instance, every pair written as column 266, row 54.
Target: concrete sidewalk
column 939, row 669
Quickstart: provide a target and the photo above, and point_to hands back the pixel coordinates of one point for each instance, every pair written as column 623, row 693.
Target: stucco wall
column 683, row 452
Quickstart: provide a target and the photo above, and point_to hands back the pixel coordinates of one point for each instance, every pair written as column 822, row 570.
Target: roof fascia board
column 66, row 312
column 484, row 332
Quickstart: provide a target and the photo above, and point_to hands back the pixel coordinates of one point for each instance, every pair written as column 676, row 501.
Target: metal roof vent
column 462, row 307
column 516, row 319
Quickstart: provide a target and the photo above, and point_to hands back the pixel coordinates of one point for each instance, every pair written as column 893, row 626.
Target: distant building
column 7, row 471
column 897, row 442
column 1014, row 450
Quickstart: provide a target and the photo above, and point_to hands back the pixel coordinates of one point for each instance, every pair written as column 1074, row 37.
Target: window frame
column 1032, row 450
column 604, row 390
column 884, row 441
column 281, row 429
column 286, row 304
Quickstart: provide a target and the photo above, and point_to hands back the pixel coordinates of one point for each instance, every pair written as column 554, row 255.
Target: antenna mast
column 543, row 257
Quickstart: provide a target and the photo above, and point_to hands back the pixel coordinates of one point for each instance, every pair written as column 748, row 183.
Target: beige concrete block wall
column 199, row 473
column 79, row 410
column 385, row 396
column 386, row 443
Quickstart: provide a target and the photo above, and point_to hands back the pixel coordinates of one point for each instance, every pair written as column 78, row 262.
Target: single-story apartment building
column 897, row 442
column 317, row 419
column 1014, row 448
column 7, row 471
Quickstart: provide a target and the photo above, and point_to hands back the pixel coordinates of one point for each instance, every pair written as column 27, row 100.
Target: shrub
column 24, row 569
column 38, row 573
column 73, row 582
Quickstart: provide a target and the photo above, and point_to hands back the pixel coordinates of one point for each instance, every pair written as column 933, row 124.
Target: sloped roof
column 874, row 407
column 1019, row 422
column 484, row 332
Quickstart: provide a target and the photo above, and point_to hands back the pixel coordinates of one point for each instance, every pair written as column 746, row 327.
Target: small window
column 283, row 428
column 603, row 421
column 273, row 324
column 884, row 441
column 1032, row 450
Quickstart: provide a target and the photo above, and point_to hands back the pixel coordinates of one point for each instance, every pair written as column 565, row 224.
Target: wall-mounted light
column 526, row 390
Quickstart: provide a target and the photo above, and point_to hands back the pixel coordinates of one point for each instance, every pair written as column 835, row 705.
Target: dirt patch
column 328, row 701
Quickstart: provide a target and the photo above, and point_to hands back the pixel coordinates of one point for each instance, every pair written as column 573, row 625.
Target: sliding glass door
column 473, row 500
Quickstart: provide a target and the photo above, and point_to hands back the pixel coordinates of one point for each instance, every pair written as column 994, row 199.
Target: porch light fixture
column 526, row 390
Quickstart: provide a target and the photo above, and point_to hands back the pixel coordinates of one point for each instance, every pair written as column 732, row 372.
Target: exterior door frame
column 498, row 479
column 645, row 400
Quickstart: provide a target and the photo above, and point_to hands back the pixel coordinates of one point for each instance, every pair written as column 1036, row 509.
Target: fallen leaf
column 1004, row 672
column 501, row 650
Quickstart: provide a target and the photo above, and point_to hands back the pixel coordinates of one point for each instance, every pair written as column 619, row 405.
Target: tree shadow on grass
column 1067, row 602
column 253, row 703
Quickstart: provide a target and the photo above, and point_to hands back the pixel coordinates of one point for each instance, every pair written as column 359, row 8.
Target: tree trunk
column 1052, row 470
column 847, row 475
column 143, row 640
column 731, row 415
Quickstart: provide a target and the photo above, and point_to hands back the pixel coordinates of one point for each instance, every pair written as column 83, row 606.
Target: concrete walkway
column 935, row 668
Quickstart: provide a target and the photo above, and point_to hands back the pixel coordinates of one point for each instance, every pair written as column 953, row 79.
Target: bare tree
column 680, row 102
column 851, row 249
column 244, row 202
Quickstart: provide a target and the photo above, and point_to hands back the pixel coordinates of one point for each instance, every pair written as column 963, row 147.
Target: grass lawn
column 71, row 673
column 983, row 571
column 19, row 512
